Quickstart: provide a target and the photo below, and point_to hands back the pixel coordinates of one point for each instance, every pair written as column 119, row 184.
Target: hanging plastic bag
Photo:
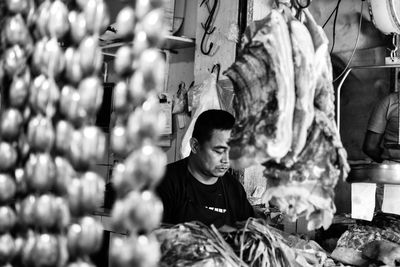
column 193, row 97
column 204, row 97
column 181, row 99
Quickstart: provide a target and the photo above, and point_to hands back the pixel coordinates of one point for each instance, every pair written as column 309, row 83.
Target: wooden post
column 224, row 37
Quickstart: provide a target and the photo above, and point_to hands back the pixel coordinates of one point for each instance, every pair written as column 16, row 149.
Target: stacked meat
column 285, row 115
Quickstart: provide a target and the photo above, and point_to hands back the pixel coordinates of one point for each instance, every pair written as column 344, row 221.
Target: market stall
column 97, row 97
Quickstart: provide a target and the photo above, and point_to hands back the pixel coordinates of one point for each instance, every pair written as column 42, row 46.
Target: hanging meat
column 299, row 103
column 305, row 80
column 265, row 97
column 324, row 92
column 307, row 187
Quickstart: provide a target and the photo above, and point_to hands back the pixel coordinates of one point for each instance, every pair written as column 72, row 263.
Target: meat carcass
column 305, row 81
column 284, row 106
column 307, row 187
column 263, row 79
column 324, row 92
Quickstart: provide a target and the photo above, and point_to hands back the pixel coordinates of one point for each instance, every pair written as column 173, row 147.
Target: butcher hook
column 395, row 42
column 208, row 29
column 300, row 4
column 218, row 67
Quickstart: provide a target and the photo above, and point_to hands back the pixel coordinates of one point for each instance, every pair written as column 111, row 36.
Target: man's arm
column 376, row 128
column 247, row 209
column 372, row 146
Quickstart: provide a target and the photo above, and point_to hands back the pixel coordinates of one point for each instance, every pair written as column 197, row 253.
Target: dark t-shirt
column 186, row 199
column 210, row 199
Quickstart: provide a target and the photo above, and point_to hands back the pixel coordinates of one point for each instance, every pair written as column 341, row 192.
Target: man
column 199, row 187
column 381, row 138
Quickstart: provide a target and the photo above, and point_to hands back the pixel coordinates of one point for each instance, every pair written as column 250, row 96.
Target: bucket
column 385, row 14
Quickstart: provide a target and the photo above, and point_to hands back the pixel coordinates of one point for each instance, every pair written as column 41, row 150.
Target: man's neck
column 198, row 175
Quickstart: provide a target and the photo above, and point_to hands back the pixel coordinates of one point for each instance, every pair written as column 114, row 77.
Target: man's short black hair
column 210, row 120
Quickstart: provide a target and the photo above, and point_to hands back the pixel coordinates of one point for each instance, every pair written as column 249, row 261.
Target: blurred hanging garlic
column 138, row 126
column 50, row 61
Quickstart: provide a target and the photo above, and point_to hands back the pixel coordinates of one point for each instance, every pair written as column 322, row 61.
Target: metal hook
column 209, row 19
column 202, row 44
column 207, row 26
column 206, row 30
column 206, row 2
column 296, row 4
column 300, row 5
column 218, row 67
column 395, row 42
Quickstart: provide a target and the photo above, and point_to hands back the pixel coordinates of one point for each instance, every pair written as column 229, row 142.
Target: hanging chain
column 395, row 42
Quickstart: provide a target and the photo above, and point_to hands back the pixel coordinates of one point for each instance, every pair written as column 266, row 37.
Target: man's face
column 213, row 155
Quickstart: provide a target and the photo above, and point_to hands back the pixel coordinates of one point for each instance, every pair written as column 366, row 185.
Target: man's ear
column 194, row 145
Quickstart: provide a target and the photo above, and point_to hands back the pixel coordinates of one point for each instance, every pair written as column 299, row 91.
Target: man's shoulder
column 176, row 170
column 177, row 165
column 174, row 177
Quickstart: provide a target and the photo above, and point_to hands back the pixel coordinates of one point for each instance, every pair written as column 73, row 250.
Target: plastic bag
column 180, row 100
column 204, row 97
column 193, row 97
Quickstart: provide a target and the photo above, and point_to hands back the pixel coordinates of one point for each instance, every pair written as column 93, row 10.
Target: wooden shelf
column 177, row 42
column 171, row 43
